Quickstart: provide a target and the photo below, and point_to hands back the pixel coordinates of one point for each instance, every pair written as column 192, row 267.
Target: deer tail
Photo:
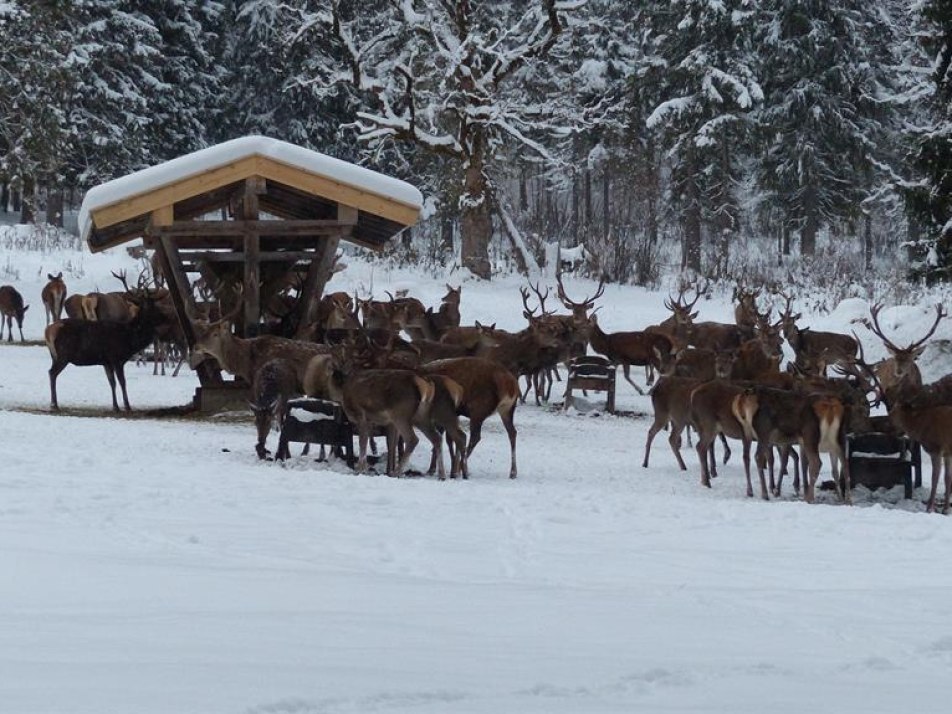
column 89, row 304
column 452, row 387
column 829, row 412
column 744, row 406
column 52, row 330
column 427, row 390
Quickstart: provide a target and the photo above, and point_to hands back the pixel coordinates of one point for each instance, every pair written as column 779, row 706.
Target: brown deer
column 715, row 409
column 630, row 348
column 11, row 308
column 112, row 307
column 784, row 418
column 901, row 368
column 53, row 295
column 746, row 313
column 391, row 398
column 814, row 349
column 274, row 384
column 924, row 414
column 243, row 357
column 671, row 401
column 110, row 344
column 73, row 306
column 488, row 387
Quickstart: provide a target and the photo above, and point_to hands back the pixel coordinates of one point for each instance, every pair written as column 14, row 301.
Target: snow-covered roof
column 356, row 180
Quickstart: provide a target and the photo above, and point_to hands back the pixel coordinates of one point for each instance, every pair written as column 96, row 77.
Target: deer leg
column 702, row 457
column 727, row 448
column 121, row 374
column 657, row 425
column 436, row 440
column 456, row 441
column 936, row 469
column 813, row 471
column 947, row 461
column 626, row 370
column 363, row 436
column 55, row 369
column 746, row 456
column 509, row 424
column 410, row 441
column 111, row 377
column 688, row 430
column 674, row 439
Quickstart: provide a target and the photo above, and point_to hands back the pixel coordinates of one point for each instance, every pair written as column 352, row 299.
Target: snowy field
column 158, row 566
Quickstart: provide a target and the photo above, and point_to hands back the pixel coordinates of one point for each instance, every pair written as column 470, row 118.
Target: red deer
column 671, row 401
column 901, row 368
column 783, row 418
column 816, row 349
column 487, row 387
column 274, row 384
column 243, row 357
column 53, row 295
column 715, row 409
column 630, row 348
column 924, row 414
column 390, row 398
column 746, row 313
column 11, row 308
column 110, row 344
column 73, row 306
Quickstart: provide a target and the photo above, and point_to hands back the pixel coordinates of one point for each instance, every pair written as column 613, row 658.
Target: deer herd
column 401, row 367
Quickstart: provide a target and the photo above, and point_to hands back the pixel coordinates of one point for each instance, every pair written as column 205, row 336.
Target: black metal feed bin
column 591, row 373
column 883, row 459
column 317, row 421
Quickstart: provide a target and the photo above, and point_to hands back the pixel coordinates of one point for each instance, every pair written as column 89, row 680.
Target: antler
column 913, row 346
column 586, row 304
column 121, row 277
column 542, row 298
column 527, row 311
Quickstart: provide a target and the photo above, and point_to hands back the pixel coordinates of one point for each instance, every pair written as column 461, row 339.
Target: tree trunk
column 4, row 197
column 587, row 220
column 868, row 241
column 476, row 225
column 691, row 216
column 576, row 220
column 446, row 233
column 811, row 222
column 28, row 202
column 606, row 205
column 54, row 207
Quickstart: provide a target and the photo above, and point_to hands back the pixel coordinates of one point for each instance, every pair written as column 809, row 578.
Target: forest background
column 748, row 141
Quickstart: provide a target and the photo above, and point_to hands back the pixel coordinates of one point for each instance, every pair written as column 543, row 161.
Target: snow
column 158, row 566
column 222, row 154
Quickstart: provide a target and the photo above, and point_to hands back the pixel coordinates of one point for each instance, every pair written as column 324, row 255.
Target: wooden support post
column 180, row 290
column 254, row 186
column 319, row 271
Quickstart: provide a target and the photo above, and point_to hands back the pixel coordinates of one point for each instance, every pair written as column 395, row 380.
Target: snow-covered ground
column 158, row 566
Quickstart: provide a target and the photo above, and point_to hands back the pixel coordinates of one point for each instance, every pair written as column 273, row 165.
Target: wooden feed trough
column 250, row 207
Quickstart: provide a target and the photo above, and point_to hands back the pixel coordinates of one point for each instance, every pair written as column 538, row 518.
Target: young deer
column 53, row 296
column 715, row 409
column 275, row 382
column 390, row 398
column 777, row 417
column 488, row 387
column 11, row 308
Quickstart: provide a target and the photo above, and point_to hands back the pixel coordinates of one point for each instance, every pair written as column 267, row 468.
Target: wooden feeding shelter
column 251, row 204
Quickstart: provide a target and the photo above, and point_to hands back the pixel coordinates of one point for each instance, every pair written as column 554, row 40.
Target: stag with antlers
column 816, row 350
column 900, row 369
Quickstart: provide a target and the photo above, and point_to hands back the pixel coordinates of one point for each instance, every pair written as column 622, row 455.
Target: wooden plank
column 162, row 216
column 318, row 274
column 202, row 229
column 263, row 255
column 168, row 195
column 338, row 191
column 347, row 215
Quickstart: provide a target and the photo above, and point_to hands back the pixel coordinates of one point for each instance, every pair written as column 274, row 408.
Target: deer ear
column 694, row 315
column 478, row 324
column 25, row 308
column 918, row 351
column 50, row 276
